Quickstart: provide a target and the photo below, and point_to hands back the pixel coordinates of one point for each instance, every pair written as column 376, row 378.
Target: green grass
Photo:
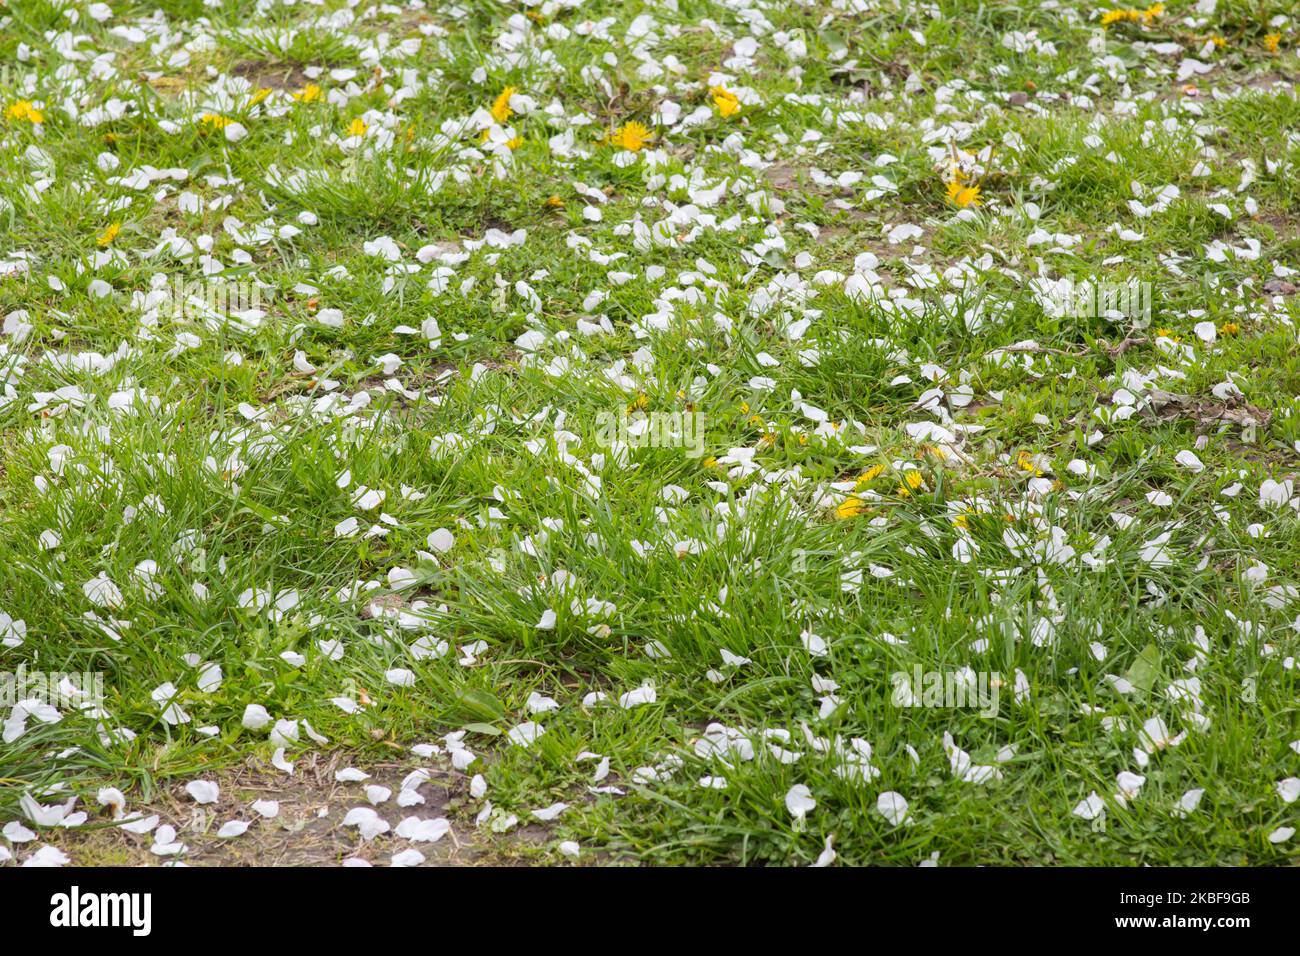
column 1012, row 523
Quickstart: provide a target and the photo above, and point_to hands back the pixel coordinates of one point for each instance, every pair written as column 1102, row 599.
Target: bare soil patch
column 276, row 76
column 308, row 830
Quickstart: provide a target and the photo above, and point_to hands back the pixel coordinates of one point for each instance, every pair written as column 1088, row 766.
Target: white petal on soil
column 203, row 791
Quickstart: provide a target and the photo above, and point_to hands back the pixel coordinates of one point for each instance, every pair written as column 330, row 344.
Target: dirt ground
column 308, row 830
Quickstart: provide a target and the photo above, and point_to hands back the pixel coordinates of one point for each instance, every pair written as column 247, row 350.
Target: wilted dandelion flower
column 1025, row 461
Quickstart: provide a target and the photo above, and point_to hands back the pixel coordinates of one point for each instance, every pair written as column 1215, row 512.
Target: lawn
column 679, row 432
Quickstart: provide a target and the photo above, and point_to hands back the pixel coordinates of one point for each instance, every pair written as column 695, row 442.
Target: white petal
column 203, row 791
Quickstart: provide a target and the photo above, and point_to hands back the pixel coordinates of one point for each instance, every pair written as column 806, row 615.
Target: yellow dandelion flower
column 515, row 143
column 1131, row 15
column 1229, row 328
column 630, row 136
column 962, row 194
column 850, row 507
column 725, row 101
column 259, row 95
column 24, row 110
column 555, row 202
column 108, row 235
column 357, row 127
column 912, row 481
column 308, row 94
column 501, row 110
column 870, row 475
column 214, row 121
column 1272, row 41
